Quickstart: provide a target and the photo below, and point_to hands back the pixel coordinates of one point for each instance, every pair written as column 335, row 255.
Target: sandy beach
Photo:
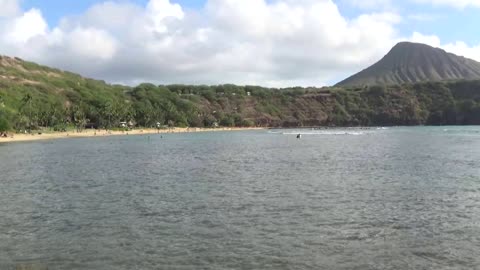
column 12, row 137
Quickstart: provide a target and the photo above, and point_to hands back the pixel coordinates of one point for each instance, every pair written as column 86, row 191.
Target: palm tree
column 80, row 119
column 27, row 102
column 109, row 112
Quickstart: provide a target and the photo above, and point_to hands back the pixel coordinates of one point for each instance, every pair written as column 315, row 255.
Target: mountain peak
column 408, row 44
column 409, row 62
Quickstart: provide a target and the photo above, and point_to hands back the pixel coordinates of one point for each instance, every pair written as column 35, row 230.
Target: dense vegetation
column 33, row 97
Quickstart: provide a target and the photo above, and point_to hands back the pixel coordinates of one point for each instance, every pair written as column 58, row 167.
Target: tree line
column 146, row 105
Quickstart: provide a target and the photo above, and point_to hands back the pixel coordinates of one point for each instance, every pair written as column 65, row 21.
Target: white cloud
column 90, row 43
column 160, row 10
column 431, row 40
column 457, row 47
column 277, row 43
column 25, row 27
column 389, row 4
column 461, row 48
column 452, row 3
column 371, row 4
column 424, row 17
column 9, row 8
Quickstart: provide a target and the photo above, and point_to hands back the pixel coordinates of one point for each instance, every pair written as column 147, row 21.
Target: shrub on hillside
column 4, row 125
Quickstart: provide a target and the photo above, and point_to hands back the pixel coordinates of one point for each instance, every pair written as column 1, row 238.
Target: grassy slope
column 18, row 77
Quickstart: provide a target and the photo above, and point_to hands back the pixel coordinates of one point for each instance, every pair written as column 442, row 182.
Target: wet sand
column 102, row 133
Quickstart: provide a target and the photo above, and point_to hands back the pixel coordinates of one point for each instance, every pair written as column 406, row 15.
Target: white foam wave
column 353, row 133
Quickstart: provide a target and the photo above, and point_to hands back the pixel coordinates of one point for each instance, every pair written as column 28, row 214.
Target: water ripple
column 396, row 198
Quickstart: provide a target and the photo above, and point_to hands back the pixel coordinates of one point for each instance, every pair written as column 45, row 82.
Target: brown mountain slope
column 414, row 62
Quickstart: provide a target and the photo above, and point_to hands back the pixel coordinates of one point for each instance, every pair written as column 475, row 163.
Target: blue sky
column 449, row 23
column 54, row 10
column 266, row 42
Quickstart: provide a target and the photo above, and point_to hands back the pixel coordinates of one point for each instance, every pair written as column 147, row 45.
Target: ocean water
column 397, row 198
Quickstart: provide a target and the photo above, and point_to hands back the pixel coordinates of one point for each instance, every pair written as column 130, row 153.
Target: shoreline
column 91, row 133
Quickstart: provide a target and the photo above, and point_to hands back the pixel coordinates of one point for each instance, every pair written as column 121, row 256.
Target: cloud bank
column 271, row 43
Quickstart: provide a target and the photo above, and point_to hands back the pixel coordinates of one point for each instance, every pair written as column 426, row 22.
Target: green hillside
column 34, row 96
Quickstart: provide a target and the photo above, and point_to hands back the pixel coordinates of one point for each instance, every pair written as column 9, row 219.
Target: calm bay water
column 399, row 198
